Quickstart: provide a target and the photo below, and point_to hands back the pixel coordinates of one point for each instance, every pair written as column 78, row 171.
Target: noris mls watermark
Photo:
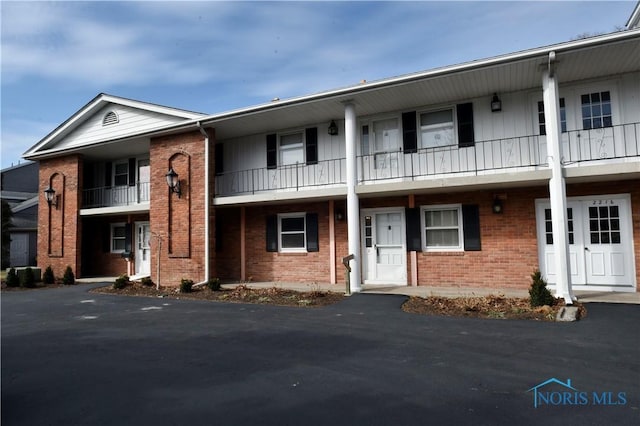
column 555, row 392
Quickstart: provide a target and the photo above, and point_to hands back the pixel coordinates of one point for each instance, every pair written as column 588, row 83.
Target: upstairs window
column 121, row 174
column 596, row 110
column 542, row 122
column 436, row 129
column 291, row 149
column 110, row 118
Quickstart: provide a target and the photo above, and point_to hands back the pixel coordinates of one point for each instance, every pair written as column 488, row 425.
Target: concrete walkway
column 425, row 291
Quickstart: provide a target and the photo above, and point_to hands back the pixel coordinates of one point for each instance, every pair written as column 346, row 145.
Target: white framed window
column 542, row 125
column 292, row 148
column 442, row 227
column 596, row 110
column 386, row 135
column 121, row 173
column 437, row 128
column 118, row 237
column 292, row 232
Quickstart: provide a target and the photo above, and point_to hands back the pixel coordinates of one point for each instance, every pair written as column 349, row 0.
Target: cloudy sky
column 215, row 56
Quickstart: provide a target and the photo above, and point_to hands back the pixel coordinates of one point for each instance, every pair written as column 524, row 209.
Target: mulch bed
column 495, row 307
column 239, row 294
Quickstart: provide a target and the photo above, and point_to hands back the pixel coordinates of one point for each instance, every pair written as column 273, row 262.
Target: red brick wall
column 59, row 229
column 178, row 222
column 288, row 267
column 228, row 255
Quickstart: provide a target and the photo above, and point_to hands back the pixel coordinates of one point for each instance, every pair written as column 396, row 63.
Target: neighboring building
column 20, row 190
column 471, row 175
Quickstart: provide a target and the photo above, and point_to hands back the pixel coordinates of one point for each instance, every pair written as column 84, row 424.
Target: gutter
column 206, row 204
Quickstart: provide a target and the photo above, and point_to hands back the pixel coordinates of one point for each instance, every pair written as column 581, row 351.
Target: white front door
column 384, row 246
column 600, row 242
column 143, row 248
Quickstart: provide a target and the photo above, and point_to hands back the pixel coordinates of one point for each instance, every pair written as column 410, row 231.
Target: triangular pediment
column 108, row 118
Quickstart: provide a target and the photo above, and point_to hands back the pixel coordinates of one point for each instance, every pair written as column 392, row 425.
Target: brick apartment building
column 471, row 175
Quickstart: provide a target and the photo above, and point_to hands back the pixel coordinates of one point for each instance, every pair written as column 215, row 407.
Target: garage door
column 600, row 242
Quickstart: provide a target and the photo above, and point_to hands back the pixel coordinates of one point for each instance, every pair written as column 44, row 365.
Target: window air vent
column 110, row 118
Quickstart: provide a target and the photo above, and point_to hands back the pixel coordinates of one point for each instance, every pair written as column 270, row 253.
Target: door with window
column 143, row 248
column 386, row 145
column 600, row 242
column 384, row 247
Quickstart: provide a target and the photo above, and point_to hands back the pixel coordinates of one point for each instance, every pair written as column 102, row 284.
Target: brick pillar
column 59, row 225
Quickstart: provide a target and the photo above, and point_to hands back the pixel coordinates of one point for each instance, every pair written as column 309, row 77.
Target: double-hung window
column 118, row 237
column 437, row 129
column 121, row 174
column 292, row 232
column 596, row 110
column 542, row 121
column 292, row 149
column 443, row 228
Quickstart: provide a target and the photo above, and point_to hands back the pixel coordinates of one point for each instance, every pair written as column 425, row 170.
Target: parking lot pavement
column 70, row 357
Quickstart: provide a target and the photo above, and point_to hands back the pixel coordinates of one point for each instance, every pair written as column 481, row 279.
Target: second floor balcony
column 484, row 157
column 125, row 195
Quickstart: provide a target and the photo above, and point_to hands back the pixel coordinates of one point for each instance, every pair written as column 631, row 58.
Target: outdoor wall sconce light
column 496, row 103
column 497, row 206
column 51, row 197
column 339, row 215
column 333, row 128
column 173, row 182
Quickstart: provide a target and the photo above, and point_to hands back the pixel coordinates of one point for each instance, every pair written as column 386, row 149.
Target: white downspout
column 206, row 204
column 353, row 204
column 557, row 186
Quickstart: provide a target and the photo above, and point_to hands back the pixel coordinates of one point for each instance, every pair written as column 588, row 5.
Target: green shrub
column 48, row 277
column 539, row 293
column 121, row 282
column 146, row 281
column 12, row 278
column 68, row 278
column 214, row 284
column 27, row 279
column 186, row 286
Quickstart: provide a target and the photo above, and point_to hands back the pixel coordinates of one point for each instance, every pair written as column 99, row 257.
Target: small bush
column 539, row 293
column 214, row 284
column 186, row 286
column 12, row 278
column 48, row 277
column 146, row 281
column 27, row 279
column 121, row 282
column 68, row 278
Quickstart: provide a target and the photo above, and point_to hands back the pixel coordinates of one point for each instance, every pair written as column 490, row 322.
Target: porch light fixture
column 173, row 182
column 339, row 214
column 333, row 128
column 497, row 206
column 50, row 196
column 496, row 103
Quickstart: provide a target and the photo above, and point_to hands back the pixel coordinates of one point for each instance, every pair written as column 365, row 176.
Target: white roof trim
column 634, row 19
column 95, row 104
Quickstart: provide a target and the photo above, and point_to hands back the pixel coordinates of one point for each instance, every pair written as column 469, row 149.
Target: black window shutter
column 471, row 227
column 465, row 125
column 219, row 160
column 312, row 232
column 414, row 233
column 409, row 135
column 106, row 238
column 311, row 136
column 132, row 171
column 272, row 151
column 107, row 174
column 128, row 234
column 272, row 233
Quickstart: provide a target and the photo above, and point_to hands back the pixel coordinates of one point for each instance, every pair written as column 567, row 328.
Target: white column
column 557, row 190
column 353, row 204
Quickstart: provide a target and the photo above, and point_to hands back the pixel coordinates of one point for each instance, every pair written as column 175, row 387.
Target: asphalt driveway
column 70, row 357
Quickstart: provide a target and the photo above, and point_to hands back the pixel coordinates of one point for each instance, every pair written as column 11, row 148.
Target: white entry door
column 600, row 242
column 143, row 248
column 384, row 247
